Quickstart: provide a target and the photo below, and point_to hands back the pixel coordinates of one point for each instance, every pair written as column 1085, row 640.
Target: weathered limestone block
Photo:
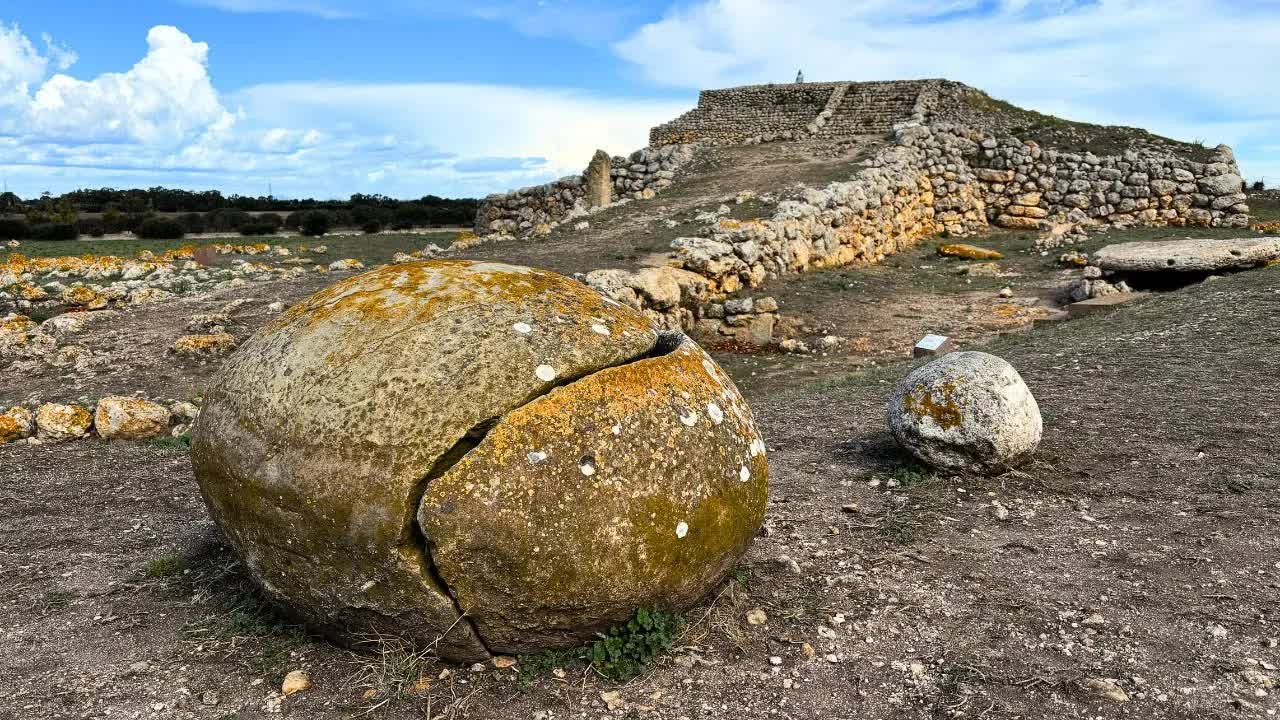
column 1224, row 184
column 1188, row 255
column 16, row 423
column 55, row 421
column 85, row 297
column 204, row 346
column 968, row 252
column 126, row 418
column 1017, row 223
column 488, row 456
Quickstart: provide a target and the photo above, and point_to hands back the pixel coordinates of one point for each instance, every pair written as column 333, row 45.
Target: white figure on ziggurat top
column 799, row 76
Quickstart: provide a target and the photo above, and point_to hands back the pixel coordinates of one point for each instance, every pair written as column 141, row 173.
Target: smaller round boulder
column 126, row 418
column 966, row 411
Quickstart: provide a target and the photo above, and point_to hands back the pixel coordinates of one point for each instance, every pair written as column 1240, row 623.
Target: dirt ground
column 1136, row 557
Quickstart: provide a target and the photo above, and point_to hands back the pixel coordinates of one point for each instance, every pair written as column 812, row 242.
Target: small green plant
column 165, row 566
column 531, row 668
column 172, row 442
column 909, row 475
column 628, row 649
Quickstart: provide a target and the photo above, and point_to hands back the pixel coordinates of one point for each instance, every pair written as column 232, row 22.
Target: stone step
column 1093, row 306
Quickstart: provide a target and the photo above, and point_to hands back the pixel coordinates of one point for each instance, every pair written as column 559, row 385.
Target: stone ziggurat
column 947, row 166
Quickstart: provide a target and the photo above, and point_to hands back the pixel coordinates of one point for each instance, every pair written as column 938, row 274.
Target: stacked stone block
column 733, row 115
column 1027, row 186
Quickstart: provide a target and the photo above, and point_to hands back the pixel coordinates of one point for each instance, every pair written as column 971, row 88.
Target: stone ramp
column 872, row 108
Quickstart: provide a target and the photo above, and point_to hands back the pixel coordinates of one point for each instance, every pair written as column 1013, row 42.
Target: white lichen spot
column 690, row 419
column 709, row 366
column 600, row 329
column 617, row 429
column 757, row 447
column 744, row 474
column 545, row 373
column 717, row 415
column 522, row 327
column 368, row 586
column 587, row 466
column 536, row 457
column 682, row 529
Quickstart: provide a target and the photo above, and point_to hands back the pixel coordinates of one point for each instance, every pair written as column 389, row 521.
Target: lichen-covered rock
column 1189, row 255
column 204, row 346
column 636, row 486
column 16, row 423
column 126, row 418
column 85, row 297
column 346, row 265
column 968, row 252
column 966, row 411
column 438, row 438
column 55, row 421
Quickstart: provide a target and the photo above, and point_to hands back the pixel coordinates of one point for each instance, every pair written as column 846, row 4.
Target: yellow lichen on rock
column 55, row 421
column 196, row 346
column 937, row 404
column 16, row 423
column 465, row 239
column 126, row 418
column 85, row 297
column 968, row 252
column 637, row 486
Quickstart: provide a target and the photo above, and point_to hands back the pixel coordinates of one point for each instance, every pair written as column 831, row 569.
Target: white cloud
column 1187, row 68
column 164, row 100
column 163, row 122
column 21, row 67
column 328, row 11
column 470, row 121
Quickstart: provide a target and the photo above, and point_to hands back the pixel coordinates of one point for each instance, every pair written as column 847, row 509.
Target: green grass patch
column 172, row 442
column 165, row 566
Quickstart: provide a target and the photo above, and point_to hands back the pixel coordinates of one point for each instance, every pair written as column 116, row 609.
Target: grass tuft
column 172, row 442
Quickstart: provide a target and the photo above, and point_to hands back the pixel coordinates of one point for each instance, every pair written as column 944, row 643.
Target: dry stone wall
column 763, row 113
column 1027, row 185
column 919, row 186
column 732, row 115
column 539, row 208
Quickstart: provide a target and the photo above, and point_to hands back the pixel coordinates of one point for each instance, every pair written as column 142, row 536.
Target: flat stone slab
column 1102, row 304
column 1190, row 255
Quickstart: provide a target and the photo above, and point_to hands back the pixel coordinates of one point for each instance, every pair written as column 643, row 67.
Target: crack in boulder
column 666, row 343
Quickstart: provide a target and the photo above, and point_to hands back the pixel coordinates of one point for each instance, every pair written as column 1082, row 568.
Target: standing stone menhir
column 600, row 180
column 490, row 456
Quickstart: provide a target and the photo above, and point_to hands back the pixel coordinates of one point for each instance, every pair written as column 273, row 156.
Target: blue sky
column 455, row 97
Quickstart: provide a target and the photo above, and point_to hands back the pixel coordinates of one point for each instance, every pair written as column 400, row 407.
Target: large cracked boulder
column 966, row 411
column 477, row 456
column 1189, row 255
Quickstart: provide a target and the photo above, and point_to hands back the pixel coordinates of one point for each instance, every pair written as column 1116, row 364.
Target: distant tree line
column 168, row 213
